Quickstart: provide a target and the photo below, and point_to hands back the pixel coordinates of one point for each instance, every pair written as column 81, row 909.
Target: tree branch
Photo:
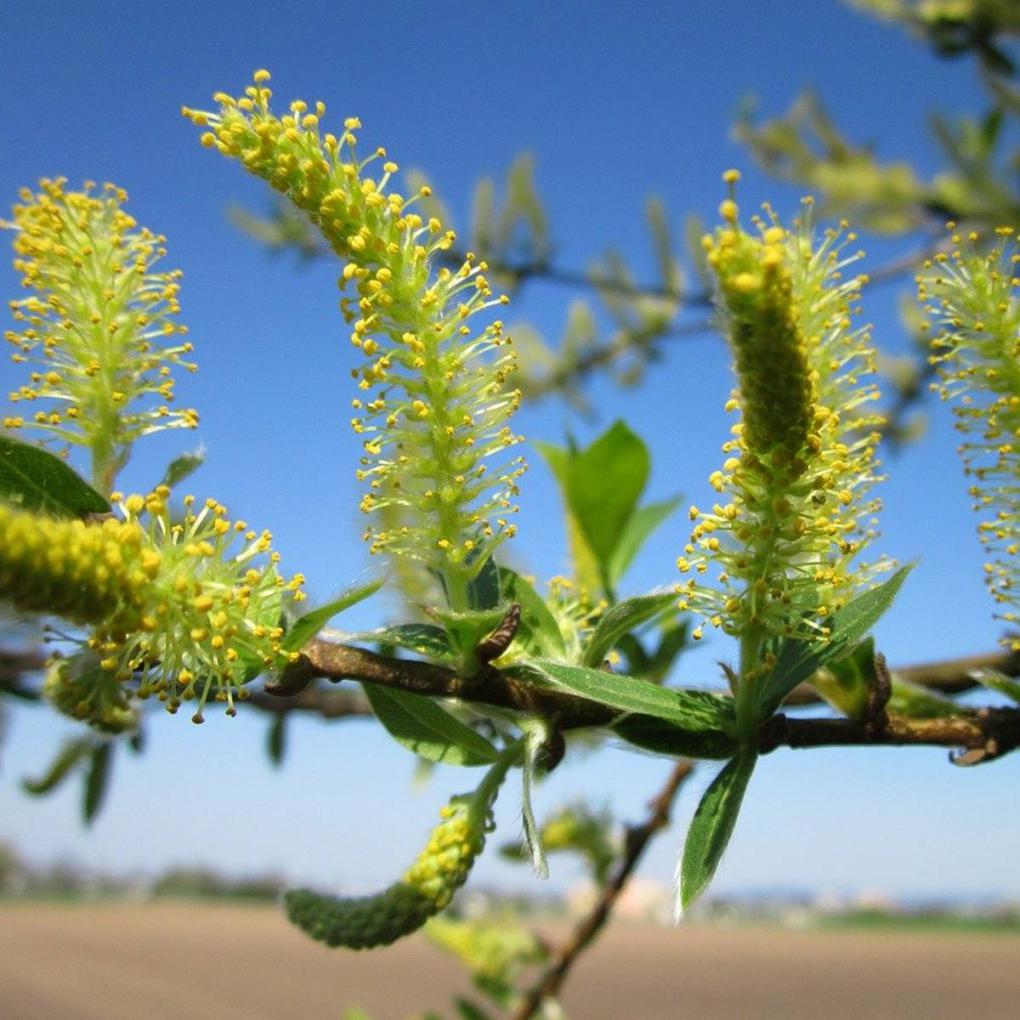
column 636, row 842
column 989, row 733
column 986, row 734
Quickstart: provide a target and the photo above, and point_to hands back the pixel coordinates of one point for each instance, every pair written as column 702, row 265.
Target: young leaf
column 306, row 627
column 183, row 467
column 423, row 638
column 697, row 711
column 585, row 567
column 636, row 532
column 797, row 660
column 712, row 827
column 36, row 480
column 467, row 1010
column 622, row 619
column 467, row 629
column 661, row 737
column 67, row 758
column 421, row 726
column 97, row 781
column 916, row 702
column 604, row 484
column 536, row 734
column 846, row 683
column 538, row 630
column 276, row 740
column 1000, row 683
column 483, row 589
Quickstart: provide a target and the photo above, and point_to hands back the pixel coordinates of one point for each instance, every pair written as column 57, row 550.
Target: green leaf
column 1000, row 683
column 536, row 734
column 276, row 740
column 467, row 1010
column 846, row 683
column 420, row 725
column 622, row 619
column 67, row 758
column 916, row 702
column 483, row 590
column 538, row 631
column 797, row 660
column 183, row 467
column 586, row 569
column 423, row 638
column 604, row 484
column 306, row 627
column 662, row 737
column 672, row 642
column 36, row 480
column 697, row 711
column 96, row 782
column 466, row 629
column 639, row 527
column 712, row 827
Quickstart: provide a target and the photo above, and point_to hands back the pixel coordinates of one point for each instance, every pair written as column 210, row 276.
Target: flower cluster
column 426, row 888
column 176, row 610
column 212, row 611
column 973, row 295
column 795, row 506
column 99, row 323
column 434, row 401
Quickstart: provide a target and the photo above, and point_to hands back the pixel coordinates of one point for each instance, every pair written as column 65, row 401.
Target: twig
column 950, row 676
column 988, row 733
column 637, row 840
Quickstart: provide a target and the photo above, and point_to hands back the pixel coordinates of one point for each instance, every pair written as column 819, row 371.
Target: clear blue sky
column 617, row 101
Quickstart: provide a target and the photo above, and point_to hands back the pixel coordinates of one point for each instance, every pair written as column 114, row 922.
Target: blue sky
column 617, row 102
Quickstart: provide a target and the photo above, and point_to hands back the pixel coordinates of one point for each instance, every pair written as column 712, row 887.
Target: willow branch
column 636, row 842
column 490, row 687
column 989, row 733
column 986, row 734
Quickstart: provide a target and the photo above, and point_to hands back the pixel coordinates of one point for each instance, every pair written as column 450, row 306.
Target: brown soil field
column 182, row 961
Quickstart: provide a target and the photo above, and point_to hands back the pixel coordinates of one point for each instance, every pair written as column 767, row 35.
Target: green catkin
column 99, row 324
column 426, row 888
column 972, row 292
column 176, row 610
column 794, row 510
column 433, row 402
column 83, row 573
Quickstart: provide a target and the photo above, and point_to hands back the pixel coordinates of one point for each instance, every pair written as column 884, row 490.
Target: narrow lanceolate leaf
column 276, row 740
column 423, row 638
column 604, row 483
column 535, row 736
column 690, row 710
column 538, row 630
column 306, row 627
column 846, row 683
column 183, row 467
column 36, row 480
column 661, row 737
column 483, row 590
column 797, row 660
column 622, row 619
column 96, row 782
column 431, row 732
column 712, row 827
column 642, row 523
column 1000, row 683
column 69, row 756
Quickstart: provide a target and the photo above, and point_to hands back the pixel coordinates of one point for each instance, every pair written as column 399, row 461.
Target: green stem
column 751, row 642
